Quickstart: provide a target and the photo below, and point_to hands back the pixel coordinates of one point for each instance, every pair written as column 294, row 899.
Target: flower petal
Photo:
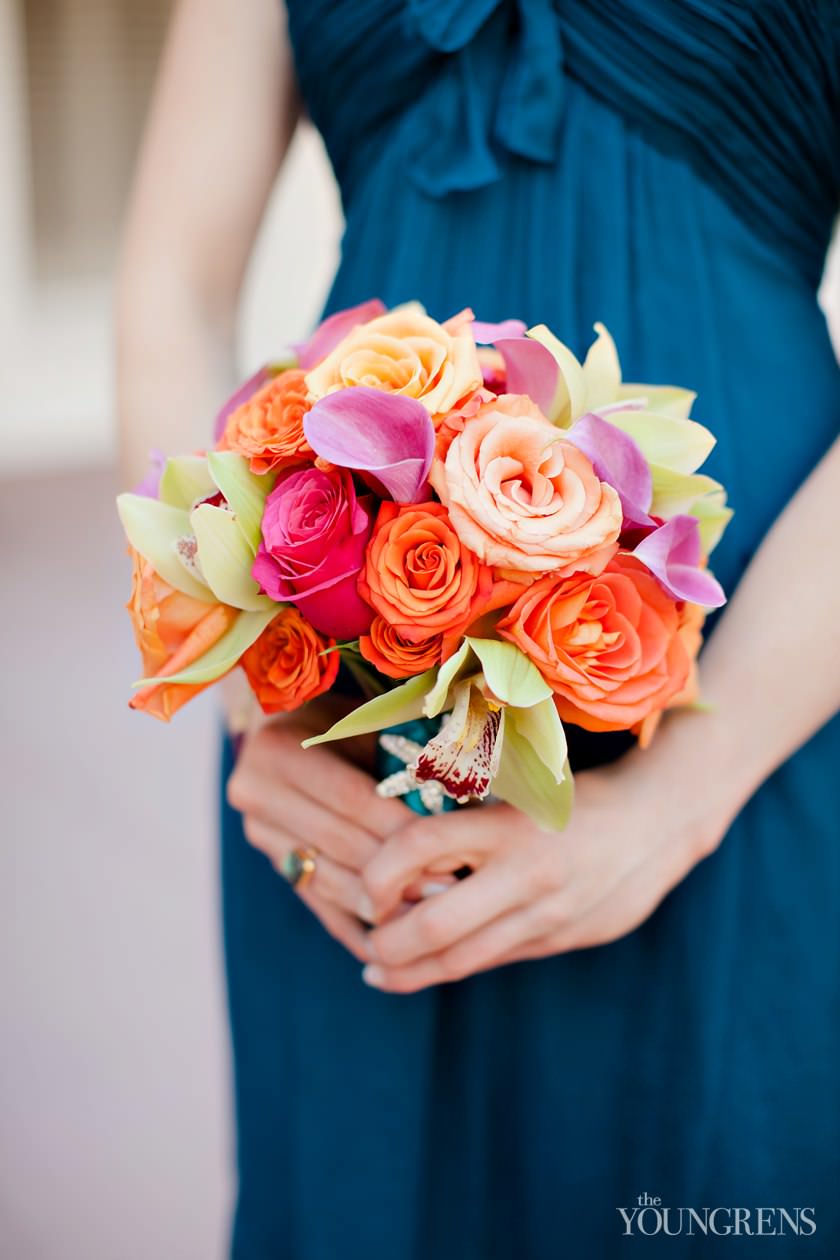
column 667, row 400
column 400, row 704
column 570, row 391
column 681, row 445
column 435, row 701
column 149, row 487
column 225, row 558
column 601, row 370
column 154, row 530
column 617, row 460
column 333, row 330
column 464, row 756
column 530, row 369
column 525, row 781
column 672, row 553
column 370, row 430
column 225, row 652
column 488, row 334
column 675, row 492
column 246, row 389
column 508, row 673
column 245, row 491
column 185, row 481
column 714, row 516
column 542, row 727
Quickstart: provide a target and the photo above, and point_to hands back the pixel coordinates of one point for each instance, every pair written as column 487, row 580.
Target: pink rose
column 314, row 534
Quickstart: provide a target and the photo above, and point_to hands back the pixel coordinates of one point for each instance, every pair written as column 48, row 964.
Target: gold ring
column 298, row 867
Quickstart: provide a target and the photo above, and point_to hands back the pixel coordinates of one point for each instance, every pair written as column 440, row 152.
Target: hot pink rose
column 314, row 534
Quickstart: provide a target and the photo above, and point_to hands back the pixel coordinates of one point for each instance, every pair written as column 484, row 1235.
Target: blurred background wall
column 115, row 1134
column 114, row 1129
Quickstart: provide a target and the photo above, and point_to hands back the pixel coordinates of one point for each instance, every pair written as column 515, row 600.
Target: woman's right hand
column 315, row 798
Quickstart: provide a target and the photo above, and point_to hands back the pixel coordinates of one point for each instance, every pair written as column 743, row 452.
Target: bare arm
column 771, row 670
column 222, row 119
column 224, row 111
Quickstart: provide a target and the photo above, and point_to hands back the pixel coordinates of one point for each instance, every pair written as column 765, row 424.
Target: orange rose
column 395, row 656
column 172, row 630
column 524, row 498
column 692, row 617
column 268, row 428
column 418, row 576
column 288, row 664
column 611, row 647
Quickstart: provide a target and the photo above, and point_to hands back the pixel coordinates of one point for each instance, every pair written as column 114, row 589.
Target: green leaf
column 679, row 445
column 669, row 400
column 186, row 479
column 675, row 492
column 714, row 516
column 226, row 559
column 570, row 396
column 524, row 780
column 245, row 491
column 511, row 677
column 154, row 529
column 601, row 370
column 543, row 729
column 224, row 654
column 447, row 673
column 401, row 704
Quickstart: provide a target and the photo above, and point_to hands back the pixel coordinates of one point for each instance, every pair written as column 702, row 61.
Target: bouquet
column 496, row 539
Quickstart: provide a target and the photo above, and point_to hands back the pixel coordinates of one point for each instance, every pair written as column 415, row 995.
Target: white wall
column 56, row 378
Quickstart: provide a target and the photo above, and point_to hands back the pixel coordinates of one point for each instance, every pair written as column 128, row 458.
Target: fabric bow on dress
column 470, row 115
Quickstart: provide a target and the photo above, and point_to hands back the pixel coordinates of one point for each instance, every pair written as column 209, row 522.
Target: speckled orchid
column 503, row 734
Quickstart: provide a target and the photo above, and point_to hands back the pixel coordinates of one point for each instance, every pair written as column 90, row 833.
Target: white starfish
column 404, row 781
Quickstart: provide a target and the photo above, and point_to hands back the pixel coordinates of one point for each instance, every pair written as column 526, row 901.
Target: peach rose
column 288, row 665
column 524, row 498
column 172, row 630
column 268, row 428
column 403, row 352
column 395, row 656
column 417, row 574
column 450, row 425
column 610, row 646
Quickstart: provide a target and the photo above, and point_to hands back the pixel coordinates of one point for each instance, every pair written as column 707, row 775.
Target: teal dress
column 672, row 169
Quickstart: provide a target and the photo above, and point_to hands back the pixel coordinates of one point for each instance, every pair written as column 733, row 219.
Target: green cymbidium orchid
column 206, row 549
column 504, row 735
column 655, row 416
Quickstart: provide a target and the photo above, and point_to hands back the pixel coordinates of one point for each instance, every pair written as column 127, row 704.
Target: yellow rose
column 403, row 352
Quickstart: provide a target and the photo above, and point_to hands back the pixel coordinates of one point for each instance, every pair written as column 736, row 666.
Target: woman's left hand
column 635, row 833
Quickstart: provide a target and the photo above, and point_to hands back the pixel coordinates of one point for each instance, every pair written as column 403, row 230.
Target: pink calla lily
column 386, row 435
column 149, row 487
column 618, row 460
column 333, row 330
column 530, row 369
column 672, row 553
column 486, row 334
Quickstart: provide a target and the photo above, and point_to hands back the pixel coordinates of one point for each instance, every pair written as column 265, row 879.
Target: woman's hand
column 292, row 797
column 634, row 835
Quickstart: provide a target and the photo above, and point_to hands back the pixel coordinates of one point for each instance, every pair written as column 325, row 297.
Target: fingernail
column 365, row 910
column 374, row 976
column 431, row 890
